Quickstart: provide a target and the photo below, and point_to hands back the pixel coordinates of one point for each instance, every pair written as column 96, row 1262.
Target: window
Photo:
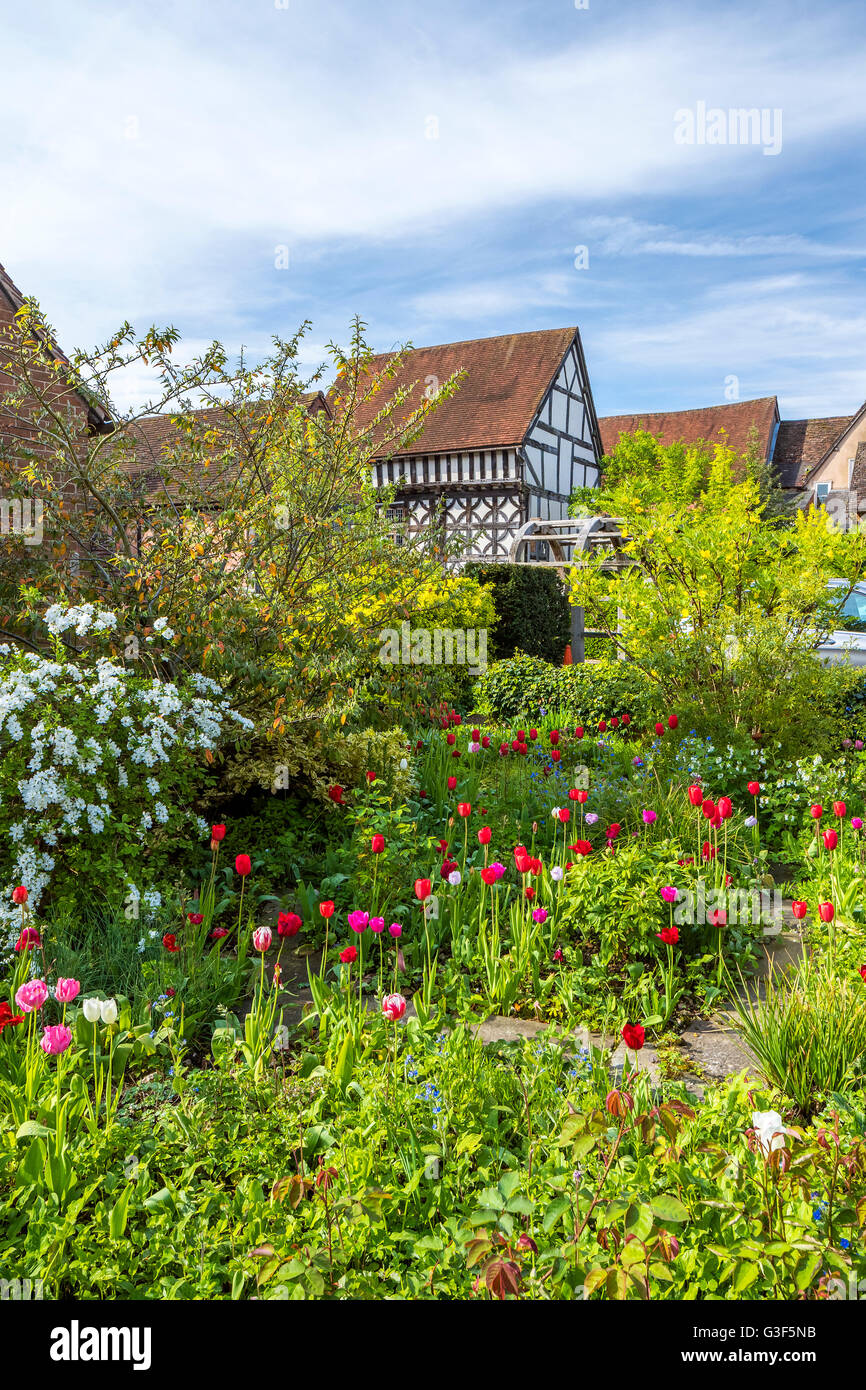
column 821, row 491
column 852, row 617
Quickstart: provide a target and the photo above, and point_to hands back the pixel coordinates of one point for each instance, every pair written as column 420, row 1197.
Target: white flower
column 555, row 812
column 556, row 873
column 771, row 1132
column 404, row 763
column 108, row 1010
column 91, row 1010
column 281, row 1038
column 454, row 878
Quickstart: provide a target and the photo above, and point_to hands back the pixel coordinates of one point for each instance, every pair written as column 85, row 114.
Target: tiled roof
column 497, row 400
column 690, row 426
column 858, row 475
column 802, row 444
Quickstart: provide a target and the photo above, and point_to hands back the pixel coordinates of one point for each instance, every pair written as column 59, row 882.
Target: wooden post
column 577, row 634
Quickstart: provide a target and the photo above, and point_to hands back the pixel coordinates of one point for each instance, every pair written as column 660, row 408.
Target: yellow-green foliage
column 302, row 754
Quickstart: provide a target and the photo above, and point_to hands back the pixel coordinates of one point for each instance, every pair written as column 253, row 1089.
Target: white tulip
column 556, row 873
column 771, row 1131
column 90, row 1009
column 454, row 878
column 404, row 763
column 281, row 1039
column 108, row 1010
column 555, row 813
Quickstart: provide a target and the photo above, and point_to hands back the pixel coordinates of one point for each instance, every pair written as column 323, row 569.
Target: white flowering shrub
column 98, row 771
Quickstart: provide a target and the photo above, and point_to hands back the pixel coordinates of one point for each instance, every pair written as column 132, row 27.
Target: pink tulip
column 262, row 938
column 393, row 1007
column 539, row 915
column 358, row 921
column 669, row 893
column 377, row 924
column 648, row 817
column 395, row 929
column 56, row 1038
column 31, row 995
column 67, row 990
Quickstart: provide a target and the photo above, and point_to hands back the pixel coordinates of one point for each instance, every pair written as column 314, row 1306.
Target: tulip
column 108, row 1010
column 839, row 809
column 485, row 742
column 556, row 873
column 826, row 911
column 578, row 733
column 673, row 721
column 669, row 935
column 67, row 990
column 169, row 941
column 326, row 909
column 396, row 930
column 7, row 1018
column 497, row 869
column 557, row 956
column 799, row 909
column 581, row 847
column 719, row 918
column 20, row 894
column 452, row 784
column 288, row 924
column 634, row 1035
column 358, row 921
column 393, row 1007
column 707, row 851
column 750, row 822
column 423, row 888
column 488, row 876
column 464, row 809
column 754, row 789
column 91, row 1010
column 863, row 972
column 591, row 817
column 29, row 940
column 55, row 1039
column 484, row 835
column 816, row 812
column 262, row 938
column 613, row 831
column 563, row 815
column 668, row 893
column 450, row 739
column 831, row 839
column 218, row 933
column 696, row 795
column 521, row 735
column 725, row 807
column 539, row 915
column 349, row 955
column 648, row 817
column 614, row 723
column 31, row 995
column 602, row 727
column 218, row 833
column 856, row 823
column 533, row 734
column 659, row 728
column 377, row 924
column 554, row 736
column 476, row 735
column 243, row 865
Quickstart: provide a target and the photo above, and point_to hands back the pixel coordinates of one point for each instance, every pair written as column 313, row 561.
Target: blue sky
column 432, row 167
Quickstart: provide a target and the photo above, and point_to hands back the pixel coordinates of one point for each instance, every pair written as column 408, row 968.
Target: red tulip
column 614, row 723
column 799, row 909
column 839, row 809
column 554, row 737
column 626, row 719
column 696, row 795
column 602, row 727
column 423, row 889
column 826, row 912
column 169, row 941
column 709, row 808
column 218, row 833
column 659, row 728
column 485, row 742
column 218, row 933
column 452, row 784
column 707, row 851
column 476, row 735
column 613, row 830
column 326, row 909
column 555, row 755
column 831, row 839
column 754, row 789
column 578, row 733
column 816, row 812
column 533, row 734
column 377, row 844
column 725, row 807
column 464, row 809
column 633, row 1035
column 29, row 940
column 288, row 924
column 719, row 918
column 581, row 847
column 863, row 972
column 196, row 918
column 451, row 739
column 669, row 935
column 484, row 835
column 521, row 735
column 349, row 955
column 20, row 894
column 564, row 815
column 488, row 875
column 673, row 721
column 243, row 865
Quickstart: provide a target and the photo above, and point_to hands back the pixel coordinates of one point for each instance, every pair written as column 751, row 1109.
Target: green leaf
column 556, row 1209
column 119, row 1214
column 668, row 1208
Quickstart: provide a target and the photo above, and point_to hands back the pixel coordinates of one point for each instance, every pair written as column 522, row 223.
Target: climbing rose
column 336, row 794
column 348, row 955
column 371, row 776
column 19, row 894
column 633, row 1035
column 288, row 924
column 55, row 1039
column 799, row 909
column 826, row 912
column 243, row 865
column 669, row 935
column 393, row 1007
column 66, row 990
column 377, row 844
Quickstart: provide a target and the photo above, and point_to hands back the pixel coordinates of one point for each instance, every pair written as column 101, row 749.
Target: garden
column 326, row 977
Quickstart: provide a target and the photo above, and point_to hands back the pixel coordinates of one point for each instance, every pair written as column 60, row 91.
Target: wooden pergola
column 568, row 543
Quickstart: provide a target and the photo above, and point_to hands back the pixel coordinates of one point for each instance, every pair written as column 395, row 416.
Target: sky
column 451, row 171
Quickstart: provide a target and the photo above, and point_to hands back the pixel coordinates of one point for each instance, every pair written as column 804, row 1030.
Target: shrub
column 583, row 693
column 533, row 614
column 99, row 769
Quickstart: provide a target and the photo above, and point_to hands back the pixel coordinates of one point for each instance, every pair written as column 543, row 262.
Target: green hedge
column 584, row 693
column 533, row 614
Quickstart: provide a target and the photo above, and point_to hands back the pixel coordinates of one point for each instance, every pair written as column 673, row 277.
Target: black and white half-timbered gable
column 511, row 444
